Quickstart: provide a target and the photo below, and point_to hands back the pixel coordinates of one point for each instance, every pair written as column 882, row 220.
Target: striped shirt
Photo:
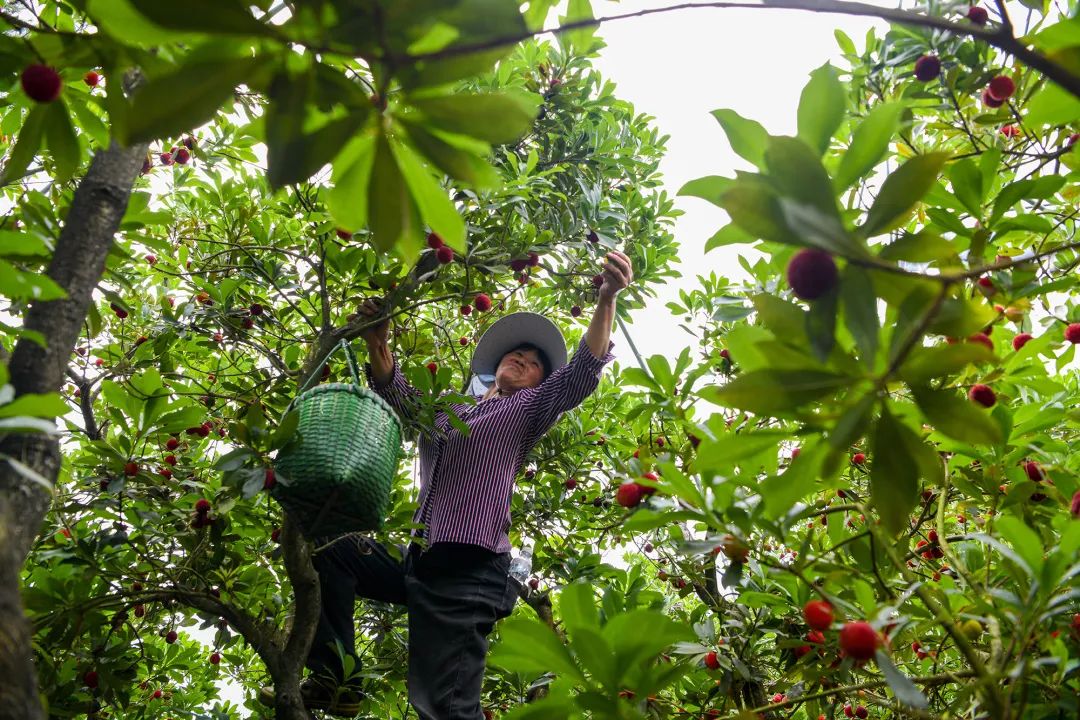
column 466, row 482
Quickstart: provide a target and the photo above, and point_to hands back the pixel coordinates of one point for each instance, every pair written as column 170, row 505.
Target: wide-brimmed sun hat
column 507, row 333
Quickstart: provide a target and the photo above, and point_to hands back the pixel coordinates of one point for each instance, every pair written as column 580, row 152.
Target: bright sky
column 678, row 67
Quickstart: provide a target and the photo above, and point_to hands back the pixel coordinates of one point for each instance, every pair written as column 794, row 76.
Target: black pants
column 454, row 593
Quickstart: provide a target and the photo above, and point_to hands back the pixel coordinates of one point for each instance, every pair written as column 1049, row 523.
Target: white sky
column 680, row 66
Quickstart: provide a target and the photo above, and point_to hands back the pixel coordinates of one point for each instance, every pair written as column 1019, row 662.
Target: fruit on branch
column 534, row 583
column 92, row 78
column 41, row 83
column 592, row 237
column 466, row 310
column 570, row 483
column 270, row 479
column 983, row 339
column 818, row 614
column 1001, row 88
column 991, row 101
column 215, row 658
column 434, row 241
column 1021, row 340
column 1072, row 333
column 812, row 273
column 90, row 679
column 482, row 302
column 575, row 311
column 858, row 458
column 445, row 254
column 518, row 264
column 118, row 311
column 982, row 395
column 166, row 158
column 711, row 660
column 433, row 367
column 927, row 67
column 1034, row 471
column 597, row 280
column 629, row 494
column 858, row 640
column 533, row 260
column 977, row 15
column 170, row 637
column 1009, row 131
column 182, row 155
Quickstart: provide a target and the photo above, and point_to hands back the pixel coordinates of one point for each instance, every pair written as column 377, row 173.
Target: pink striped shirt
column 466, row 482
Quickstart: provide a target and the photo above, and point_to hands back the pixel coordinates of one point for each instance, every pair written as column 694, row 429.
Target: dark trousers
column 454, row 593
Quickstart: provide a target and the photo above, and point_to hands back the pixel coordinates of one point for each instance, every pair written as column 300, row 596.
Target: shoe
column 340, row 702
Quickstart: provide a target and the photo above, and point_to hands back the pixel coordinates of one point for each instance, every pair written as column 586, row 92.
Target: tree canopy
column 861, row 499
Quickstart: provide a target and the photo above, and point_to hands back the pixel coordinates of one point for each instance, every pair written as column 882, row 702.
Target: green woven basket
column 335, row 477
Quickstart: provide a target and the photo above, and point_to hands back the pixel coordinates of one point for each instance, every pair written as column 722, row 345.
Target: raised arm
column 568, row 386
column 383, row 374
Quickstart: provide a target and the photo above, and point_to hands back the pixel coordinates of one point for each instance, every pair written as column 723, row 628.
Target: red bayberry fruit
column 711, row 661
column 533, row 260
column 1021, row 340
column 256, row 309
column 518, row 264
column 482, row 302
column 1001, row 88
column 434, row 241
column 275, row 535
column 90, row 679
column 445, row 254
column 977, row 15
column 433, row 367
column 778, row 698
column 849, row 711
column 202, row 506
column 816, row 636
column 1009, row 131
column 818, row 614
column 534, row 583
column 270, row 479
column 118, row 311
column 343, row 234
column 463, row 341
column 1072, row 333
column 927, row 67
column 182, row 155
column 570, row 483
column 592, row 237
column 466, row 309
column 41, row 83
column 140, row 610
column 215, row 658
column 982, row 338
column 983, row 395
column 861, row 712
column 597, row 280
column 991, row 101
column 629, row 494
column 92, row 78
column 166, row 158
column 172, row 443
column 1034, row 471
column 858, row 458
column 858, row 640
column 575, row 311
column 811, row 273
column 131, row 469
column 170, row 459
column 170, row 637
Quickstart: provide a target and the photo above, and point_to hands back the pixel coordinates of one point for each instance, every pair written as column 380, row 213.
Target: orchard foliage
column 850, row 494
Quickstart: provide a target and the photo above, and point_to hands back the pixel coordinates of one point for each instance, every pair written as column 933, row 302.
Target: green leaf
column 285, row 430
column 22, row 285
column 730, row 234
column 27, row 145
column 747, row 137
column 727, row 450
column 580, row 41
column 461, row 158
column 821, row 108
column 1035, row 188
column 860, row 311
column 710, row 187
column 797, row 172
column 756, row 210
column 967, row 185
column 215, row 17
column 39, row 405
column 187, row 97
column 577, row 606
column 528, row 646
column 392, row 213
column 821, row 325
column 956, row 417
column 347, row 200
column 60, row 137
column 904, row 690
column 1024, row 540
column 926, row 363
column 497, row 118
column 852, row 424
column 868, row 143
column 436, row 208
column 960, row 317
column 122, row 21
column 923, row 246
column 818, row 229
column 1053, row 105
column 901, row 191
column 767, row 392
column 894, row 487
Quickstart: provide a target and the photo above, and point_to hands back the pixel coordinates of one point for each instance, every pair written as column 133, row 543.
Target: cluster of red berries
column 631, row 493
column 202, row 514
column 443, row 252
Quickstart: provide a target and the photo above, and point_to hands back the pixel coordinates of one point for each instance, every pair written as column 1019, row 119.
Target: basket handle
column 350, row 358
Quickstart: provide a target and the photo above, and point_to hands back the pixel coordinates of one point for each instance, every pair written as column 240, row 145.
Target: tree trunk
column 77, row 265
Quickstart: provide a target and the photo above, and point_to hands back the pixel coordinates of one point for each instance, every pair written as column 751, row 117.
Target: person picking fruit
column 454, row 574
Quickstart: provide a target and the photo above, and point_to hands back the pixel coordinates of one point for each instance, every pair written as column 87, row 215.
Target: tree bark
column 76, row 266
